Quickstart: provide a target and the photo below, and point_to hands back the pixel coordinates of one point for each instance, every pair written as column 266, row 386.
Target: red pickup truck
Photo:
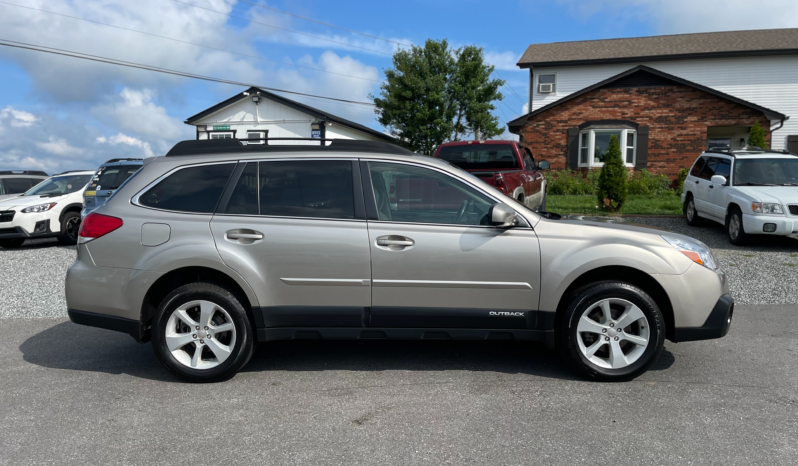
column 507, row 165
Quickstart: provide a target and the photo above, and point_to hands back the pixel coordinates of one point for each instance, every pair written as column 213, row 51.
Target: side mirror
column 543, row 165
column 501, row 215
column 718, row 179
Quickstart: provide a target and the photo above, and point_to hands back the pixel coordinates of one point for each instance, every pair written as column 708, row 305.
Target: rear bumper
column 716, row 326
column 118, row 324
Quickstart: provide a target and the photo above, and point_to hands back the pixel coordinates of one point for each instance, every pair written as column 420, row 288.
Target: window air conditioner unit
column 546, row 88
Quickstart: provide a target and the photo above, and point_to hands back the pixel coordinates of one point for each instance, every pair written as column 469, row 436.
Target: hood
column 25, row 201
column 619, row 223
column 777, row 194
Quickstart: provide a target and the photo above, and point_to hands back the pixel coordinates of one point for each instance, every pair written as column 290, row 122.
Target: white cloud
column 687, row 16
column 18, row 118
column 525, row 109
column 129, row 141
column 503, row 60
column 58, row 146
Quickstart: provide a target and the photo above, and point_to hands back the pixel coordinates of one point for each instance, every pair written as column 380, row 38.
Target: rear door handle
column 696, row 181
column 243, row 235
column 395, row 241
column 712, row 186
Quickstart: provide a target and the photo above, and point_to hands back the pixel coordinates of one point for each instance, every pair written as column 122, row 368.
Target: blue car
column 108, row 178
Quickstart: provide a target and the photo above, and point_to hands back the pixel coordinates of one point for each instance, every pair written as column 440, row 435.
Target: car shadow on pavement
column 38, row 244
column 74, row 347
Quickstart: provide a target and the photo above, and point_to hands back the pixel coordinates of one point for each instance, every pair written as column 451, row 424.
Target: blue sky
column 59, row 113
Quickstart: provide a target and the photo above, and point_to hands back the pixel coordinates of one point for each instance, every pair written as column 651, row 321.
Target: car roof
column 483, row 141
column 117, row 162
column 74, row 173
column 742, row 154
column 20, row 175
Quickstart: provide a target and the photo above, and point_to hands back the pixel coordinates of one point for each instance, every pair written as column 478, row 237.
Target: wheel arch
column 74, row 207
column 625, row 274
column 174, row 279
column 733, row 205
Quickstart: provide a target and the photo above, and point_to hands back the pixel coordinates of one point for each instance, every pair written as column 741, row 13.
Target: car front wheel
column 70, row 225
column 734, row 228
column 201, row 333
column 612, row 331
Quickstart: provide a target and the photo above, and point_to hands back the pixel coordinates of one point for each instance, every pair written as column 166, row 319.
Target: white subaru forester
column 51, row 208
column 751, row 191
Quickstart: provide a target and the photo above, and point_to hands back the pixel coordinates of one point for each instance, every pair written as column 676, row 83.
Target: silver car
column 221, row 245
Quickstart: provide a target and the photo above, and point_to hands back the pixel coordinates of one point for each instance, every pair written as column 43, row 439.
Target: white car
column 51, row 208
column 751, row 191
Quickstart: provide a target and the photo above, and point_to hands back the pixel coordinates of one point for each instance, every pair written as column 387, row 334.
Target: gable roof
column 651, row 77
column 671, row 47
column 319, row 114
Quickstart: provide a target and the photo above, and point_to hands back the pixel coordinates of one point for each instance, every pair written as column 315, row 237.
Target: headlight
column 766, row 208
column 695, row 251
column 38, row 208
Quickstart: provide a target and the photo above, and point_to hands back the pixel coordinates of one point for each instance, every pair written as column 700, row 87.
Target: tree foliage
column 434, row 94
column 613, row 178
column 756, row 136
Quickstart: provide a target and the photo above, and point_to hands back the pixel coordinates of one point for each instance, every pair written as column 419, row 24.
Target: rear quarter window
column 192, row 189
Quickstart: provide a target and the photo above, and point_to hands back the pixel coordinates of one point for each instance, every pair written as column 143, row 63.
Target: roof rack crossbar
column 120, row 160
column 234, row 145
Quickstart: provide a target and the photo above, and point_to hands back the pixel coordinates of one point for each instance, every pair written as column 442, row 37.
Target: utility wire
column 281, row 28
column 402, row 44
column 507, row 84
column 189, row 43
column 113, row 61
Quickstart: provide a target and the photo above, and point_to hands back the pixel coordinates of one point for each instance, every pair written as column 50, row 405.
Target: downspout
column 773, row 130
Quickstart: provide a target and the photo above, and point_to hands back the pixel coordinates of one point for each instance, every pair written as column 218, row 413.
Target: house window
column 547, row 83
column 593, row 145
column 259, row 137
column 222, row 135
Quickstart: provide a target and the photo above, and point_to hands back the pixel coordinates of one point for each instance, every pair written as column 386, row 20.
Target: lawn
column 667, row 204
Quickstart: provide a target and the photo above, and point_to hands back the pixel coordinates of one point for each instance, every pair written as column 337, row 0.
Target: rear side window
column 699, row 164
column 709, row 169
column 193, row 189
column 297, row 188
column 476, row 156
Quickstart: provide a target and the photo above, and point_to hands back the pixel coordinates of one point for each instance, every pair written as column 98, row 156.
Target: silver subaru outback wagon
column 221, row 245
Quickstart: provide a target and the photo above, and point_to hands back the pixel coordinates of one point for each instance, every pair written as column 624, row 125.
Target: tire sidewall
column 741, row 236
column 696, row 220
column 589, row 296
column 64, row 237
column 242, row 350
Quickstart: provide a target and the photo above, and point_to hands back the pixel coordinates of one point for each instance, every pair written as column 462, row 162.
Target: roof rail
column 23, row 172
column 120, row 160
column 732, row 152
column 72, row 171
column 227, row 146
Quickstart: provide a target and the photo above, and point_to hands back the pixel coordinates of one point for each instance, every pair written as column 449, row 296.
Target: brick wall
column 678, row 117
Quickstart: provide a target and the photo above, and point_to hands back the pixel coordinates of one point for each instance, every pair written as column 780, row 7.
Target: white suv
column 751, row 191
column 51, row 208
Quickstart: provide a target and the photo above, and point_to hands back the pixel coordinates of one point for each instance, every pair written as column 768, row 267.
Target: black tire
column 70, row 224
column 690, row 213
column 242, row 350
column 10, row 243
column 567, row 335
column 737, row 236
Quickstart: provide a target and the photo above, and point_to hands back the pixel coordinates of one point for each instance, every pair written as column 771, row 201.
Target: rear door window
column 296, row 188
column 699, row 164
column 193, row 189
column 476, row 156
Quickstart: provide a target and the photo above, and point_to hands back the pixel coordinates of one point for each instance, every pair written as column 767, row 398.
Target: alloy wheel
column 613, row 333
column 690, row 210
column 734, row 226
column 200, row 334
column 72, row 227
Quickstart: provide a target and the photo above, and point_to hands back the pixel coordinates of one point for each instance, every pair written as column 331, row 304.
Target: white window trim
column 213, row 133
column 591, row 140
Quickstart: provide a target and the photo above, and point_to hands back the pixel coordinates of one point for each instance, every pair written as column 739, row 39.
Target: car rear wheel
column 201, row 333
column 70, row 225
column 690, row 214
column 11, row 243
column 734, row 227
column 612, row 331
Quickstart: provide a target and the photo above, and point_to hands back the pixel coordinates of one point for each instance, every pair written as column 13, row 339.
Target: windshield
column 112, row 177
column 766, row 172
column 60, row 185
column 484, row 156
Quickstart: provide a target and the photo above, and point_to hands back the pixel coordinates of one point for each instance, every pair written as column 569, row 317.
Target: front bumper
column 716, row 326
column 40, row 229
column 754, row 224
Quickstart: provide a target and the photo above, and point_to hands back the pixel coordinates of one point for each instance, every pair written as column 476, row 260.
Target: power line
column 507, row 84
column 402, row 44
column 281, row 28
column 189, row 43
column 114, row 61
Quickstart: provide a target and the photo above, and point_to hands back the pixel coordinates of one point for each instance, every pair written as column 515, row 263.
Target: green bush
column 680, row 180
column 756, row 136
column 645, row 182
column 568, row 182
column 612, row 179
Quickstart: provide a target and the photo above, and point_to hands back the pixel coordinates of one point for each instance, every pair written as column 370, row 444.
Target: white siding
column 771, row 82
column 337, row 131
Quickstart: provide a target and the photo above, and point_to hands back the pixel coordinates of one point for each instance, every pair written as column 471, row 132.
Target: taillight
column 500, row 184
column 97, row 225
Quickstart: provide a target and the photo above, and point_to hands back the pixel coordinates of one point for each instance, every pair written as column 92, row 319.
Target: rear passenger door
column 296, row 231
column 702, row 184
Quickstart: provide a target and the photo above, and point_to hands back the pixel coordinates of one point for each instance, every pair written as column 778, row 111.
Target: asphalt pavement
column 79, row 395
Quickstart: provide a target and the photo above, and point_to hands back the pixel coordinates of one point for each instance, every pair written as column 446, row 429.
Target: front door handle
column 696, row 181
column 712, row 186
column 243, row 236
column 395, row 242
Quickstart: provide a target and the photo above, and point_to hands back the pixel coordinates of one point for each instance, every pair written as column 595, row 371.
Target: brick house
column 666, row 98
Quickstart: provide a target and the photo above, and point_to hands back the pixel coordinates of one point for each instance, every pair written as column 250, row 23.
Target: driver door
column 435, row 262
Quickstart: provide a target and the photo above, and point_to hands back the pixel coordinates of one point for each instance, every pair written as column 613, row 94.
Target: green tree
column 434, row 94
column 756, row 136
column 612, row 179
